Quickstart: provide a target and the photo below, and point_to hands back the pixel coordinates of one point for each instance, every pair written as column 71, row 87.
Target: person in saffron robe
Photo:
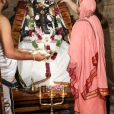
column 87, row 60
column 8, row 54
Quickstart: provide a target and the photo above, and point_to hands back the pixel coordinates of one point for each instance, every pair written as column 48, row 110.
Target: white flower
column 39, row 31
column 58, row 37
column 37, row 17
column 46, row 39
column 49, row 18
column 50, row 11
column 34, row 37
column 46, row 5
column 28, row 17
column 26, row 28
column 51, row 31
column 57, row 48
column 51, row 1
column 59, row 25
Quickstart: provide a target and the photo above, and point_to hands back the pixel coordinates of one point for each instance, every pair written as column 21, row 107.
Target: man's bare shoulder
column 4, row 22
column 3, row 19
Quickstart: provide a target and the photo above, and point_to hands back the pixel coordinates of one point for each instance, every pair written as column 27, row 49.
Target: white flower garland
column 36, row 34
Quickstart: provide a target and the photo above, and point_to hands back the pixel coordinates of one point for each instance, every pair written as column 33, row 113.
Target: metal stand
column 51, row 96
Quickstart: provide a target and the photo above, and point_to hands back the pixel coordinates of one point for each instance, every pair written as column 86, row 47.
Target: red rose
column 39, row 37
column 60, row 31
column 54, row 56
column 56, row 11
column 52, row 37
column 47, row 67
column 47, row 70
column 48, row 74
column 30, row 32
column 48, row 47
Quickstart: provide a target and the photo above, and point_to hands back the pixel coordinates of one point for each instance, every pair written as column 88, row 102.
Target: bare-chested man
column 8, row 54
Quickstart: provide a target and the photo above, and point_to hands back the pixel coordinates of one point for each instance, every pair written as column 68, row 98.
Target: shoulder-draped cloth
column 87, row 57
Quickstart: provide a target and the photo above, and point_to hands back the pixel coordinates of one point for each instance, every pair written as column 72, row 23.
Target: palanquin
column 26, row 101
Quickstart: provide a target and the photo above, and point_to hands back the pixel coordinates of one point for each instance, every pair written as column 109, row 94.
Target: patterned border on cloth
column 35, row 83
column 19, row 16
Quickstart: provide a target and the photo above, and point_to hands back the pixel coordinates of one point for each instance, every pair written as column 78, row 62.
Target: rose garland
column 36, row 35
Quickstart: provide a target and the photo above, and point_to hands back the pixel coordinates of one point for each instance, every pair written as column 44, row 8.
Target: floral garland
column 36, row 35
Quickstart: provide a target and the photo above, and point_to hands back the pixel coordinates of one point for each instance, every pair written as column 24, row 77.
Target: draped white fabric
column 8, row 66
column 8, row 69
column 37, row 70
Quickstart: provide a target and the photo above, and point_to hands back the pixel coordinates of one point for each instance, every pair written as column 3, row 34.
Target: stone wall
column 106, row 9
column 105, row 12
column 109, row 36
column 10, row 11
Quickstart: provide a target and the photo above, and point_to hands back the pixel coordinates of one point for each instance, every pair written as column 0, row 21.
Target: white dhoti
column 8, row 69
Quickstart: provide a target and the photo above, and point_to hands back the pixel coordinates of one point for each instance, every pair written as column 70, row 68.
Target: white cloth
column 7, row 100
column 37, row 70
column 7, row 66
column 8, row 69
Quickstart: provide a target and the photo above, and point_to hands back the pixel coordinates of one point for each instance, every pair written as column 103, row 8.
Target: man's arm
column 73, row 5
column 6, row 39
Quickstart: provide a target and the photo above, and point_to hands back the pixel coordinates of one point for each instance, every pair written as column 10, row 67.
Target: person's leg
column 7, row 101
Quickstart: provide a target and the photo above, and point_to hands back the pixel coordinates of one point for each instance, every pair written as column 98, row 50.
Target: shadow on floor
column 68, row 111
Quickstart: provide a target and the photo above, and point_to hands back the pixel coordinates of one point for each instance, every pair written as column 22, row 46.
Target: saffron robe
column 87, row 62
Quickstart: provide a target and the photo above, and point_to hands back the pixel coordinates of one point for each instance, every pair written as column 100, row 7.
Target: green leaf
column 35, row 45
column 58, row 43
column 30, row 23
column 52, row 19
column 58, row 20
column 53, row 34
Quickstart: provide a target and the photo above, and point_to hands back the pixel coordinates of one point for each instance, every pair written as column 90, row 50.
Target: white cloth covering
column 36, row 70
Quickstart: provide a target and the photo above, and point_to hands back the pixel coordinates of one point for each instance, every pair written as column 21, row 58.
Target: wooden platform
column 26, row 102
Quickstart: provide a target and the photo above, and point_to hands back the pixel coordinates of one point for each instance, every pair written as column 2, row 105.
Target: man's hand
column 73, row 5
column 40, row 57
